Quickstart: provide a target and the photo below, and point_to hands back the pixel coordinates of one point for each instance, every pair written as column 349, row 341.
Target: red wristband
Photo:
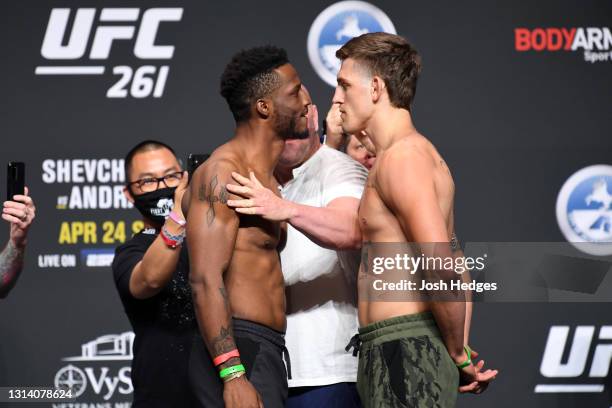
column 217, row 361
column 169, row 242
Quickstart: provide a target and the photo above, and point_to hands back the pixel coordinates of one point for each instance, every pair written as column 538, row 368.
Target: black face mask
column 155, row 205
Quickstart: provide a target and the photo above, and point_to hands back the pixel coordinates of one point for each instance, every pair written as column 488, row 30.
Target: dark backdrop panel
column 512, row 125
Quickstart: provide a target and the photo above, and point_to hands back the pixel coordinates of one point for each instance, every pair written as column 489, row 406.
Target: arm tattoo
column 223, row 195
column 224, row 342
column 225, row 298
column 210, row 216
column 211, row 198
column 202, row 193
column 11, row 264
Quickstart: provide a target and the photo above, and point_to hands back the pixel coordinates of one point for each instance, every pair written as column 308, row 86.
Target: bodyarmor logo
column 577, row 358
column 595, row 42
column 61, row 44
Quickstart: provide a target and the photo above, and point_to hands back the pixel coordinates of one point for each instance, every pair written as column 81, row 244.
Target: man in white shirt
column 321, row 188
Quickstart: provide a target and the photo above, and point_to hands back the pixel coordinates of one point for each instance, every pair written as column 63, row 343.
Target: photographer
column 151, row 275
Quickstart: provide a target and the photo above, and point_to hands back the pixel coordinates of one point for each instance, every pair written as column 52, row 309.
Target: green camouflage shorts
column 403, row 363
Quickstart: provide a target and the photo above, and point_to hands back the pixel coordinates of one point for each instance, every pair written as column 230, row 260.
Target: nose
column 307, row 100
column 338, row 96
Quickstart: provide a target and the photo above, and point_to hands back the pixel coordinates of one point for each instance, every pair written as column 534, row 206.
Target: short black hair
column 250, row 76
column 144, row 146
column 392, row 58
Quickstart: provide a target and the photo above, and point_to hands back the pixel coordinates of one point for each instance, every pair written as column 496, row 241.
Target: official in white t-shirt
column 321, row 188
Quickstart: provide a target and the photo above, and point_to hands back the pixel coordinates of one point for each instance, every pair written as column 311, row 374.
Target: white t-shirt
column 321, row 284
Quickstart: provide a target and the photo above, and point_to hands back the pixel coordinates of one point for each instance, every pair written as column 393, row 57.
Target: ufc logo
column 578, row 352
column 53, row 47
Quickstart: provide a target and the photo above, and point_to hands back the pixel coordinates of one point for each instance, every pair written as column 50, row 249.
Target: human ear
column 377, row 88
column 128, row 195
column 263, row 107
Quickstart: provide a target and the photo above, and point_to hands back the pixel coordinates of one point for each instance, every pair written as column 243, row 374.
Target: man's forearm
column 332, row 228
column 336, row 140
column 156, row 269
column 450, row 318
column 466, row 278
column 449, row 306
column 468, row 322
column 468, row 308
column 214, row 317
column 11, row 264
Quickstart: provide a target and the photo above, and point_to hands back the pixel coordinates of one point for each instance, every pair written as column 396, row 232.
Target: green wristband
column 469, row 358
column 231, row 370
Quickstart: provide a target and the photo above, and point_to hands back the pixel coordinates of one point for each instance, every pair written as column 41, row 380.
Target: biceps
column 210, row 246
column 423, row 221
column 349, row 205
column 136, row 283
column 346, row 208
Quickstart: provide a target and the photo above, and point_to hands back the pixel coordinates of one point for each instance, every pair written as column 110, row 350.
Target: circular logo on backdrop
column 335, row 26
column 71, row 377
column 584, row 209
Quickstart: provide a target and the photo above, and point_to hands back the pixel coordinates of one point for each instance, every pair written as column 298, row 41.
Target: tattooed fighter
column 236, row 276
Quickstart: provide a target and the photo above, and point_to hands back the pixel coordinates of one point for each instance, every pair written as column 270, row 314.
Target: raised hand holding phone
column 19, row 208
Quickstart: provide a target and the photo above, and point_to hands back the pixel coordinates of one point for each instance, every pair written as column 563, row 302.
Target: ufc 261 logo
column 86, row 33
